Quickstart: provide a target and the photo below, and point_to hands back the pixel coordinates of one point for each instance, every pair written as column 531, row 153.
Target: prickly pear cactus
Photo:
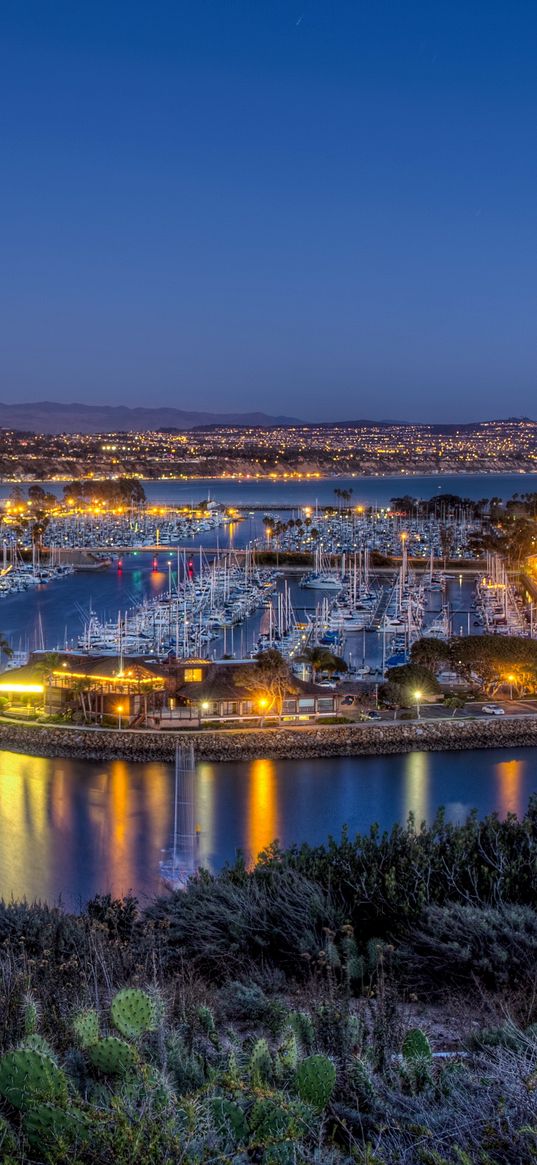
column 45, row 1123
column 233, row 1069
column 36, row 1043
column 260, row 1064
column 86, row 1028
column 112, row 1056
column 30, row 1015
column 288, row 1052
column 206, row 1019
column 315, row 1080
column 229, row 1118
column 302, row 1025
column 416, row 1046
column 27, row 1076
column 269, row 1120
column 133, row 1012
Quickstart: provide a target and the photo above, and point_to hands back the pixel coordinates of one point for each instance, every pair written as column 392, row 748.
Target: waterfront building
column 140, row 693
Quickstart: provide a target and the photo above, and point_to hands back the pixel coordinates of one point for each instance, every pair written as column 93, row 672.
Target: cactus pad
column 37, row 1043
column 260, row 1065
column 27, row 1075
column 288, row 1052
column 302, row 1025
column 315, row 1080
column 228, row 1116
column 30, row 1012
column 44, row 1123
column 416, row 1046
column 112, row 1056
column 269, row 1121
column 86, row 1028
column 206, row 1019
column 133, row 1012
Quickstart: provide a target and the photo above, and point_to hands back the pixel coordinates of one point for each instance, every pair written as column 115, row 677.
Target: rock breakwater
column 284, row 743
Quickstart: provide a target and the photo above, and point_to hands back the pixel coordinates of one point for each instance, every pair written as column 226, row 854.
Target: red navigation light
column 155, row 563
column 120, row 565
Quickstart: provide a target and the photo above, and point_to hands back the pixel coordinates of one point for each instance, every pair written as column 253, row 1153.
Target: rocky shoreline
column 284, row 743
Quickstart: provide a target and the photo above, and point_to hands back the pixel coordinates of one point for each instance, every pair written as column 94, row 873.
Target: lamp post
column 510, row 680
column 417, row 697
column 119, row 711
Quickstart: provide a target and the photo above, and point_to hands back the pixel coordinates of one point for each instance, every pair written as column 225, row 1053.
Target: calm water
column 73, row 829
column 368, row 490
column 371, row 490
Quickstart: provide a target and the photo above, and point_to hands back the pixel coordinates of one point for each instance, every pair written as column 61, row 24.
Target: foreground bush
column 263, row 1015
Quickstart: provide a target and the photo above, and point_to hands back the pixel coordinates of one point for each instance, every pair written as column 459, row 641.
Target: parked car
column 493, row 710
column 374, row 715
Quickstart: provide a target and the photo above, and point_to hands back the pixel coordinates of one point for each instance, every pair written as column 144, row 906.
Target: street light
column 511, row 680
column 119, row 711
column 417, row 697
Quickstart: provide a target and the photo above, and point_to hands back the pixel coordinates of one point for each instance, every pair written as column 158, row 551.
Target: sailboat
column 178, row 866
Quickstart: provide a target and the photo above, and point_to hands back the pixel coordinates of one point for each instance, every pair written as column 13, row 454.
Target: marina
column 217, row 599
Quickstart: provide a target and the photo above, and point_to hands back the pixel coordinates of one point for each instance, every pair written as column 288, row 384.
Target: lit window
column 193, row 675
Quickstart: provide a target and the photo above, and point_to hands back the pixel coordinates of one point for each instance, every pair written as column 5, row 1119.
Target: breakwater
column 283, row 743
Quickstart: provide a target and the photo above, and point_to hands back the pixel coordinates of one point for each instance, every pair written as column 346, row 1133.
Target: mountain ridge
column 56, row 417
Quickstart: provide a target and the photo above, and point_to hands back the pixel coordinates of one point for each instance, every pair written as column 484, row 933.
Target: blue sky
column 326, row 209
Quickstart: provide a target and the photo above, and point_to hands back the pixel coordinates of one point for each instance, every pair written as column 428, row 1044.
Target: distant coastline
column 287, row 479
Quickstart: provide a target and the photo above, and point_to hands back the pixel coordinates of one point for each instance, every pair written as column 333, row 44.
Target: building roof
column 28, row 678
column 110, row 668
column 225, row 681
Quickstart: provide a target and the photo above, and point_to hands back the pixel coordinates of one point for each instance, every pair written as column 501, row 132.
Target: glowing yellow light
column 35, row 689
column 205, row 706
column 119, row 709
column 417, row 695
column 263, row 703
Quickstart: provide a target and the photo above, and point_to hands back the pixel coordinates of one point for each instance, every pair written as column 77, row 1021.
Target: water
column 366, row 490
column 73, row 829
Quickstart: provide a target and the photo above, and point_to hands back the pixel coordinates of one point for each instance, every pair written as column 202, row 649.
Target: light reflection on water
column 72, row 829
column 510, row 777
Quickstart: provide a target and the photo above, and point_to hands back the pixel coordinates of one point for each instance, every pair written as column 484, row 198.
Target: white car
column 493, row 710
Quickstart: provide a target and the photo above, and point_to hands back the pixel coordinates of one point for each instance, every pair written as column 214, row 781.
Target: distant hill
column 51, row 417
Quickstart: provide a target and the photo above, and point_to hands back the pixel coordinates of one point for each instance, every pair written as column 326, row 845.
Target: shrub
column 457, row 944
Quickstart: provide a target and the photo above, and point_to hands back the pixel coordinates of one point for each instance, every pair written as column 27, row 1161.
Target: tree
column 270, row 681
column 323, row 660
column 430, row 653
column 412, row 678
column 47, row 664
column 5, row 647
column 37, row 495
column 455, row 703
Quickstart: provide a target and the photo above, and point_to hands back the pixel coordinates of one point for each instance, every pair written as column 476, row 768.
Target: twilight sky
column 326, row 208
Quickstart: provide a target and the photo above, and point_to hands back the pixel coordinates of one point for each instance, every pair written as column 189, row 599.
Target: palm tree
column 5, row 647
column 320, row 659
